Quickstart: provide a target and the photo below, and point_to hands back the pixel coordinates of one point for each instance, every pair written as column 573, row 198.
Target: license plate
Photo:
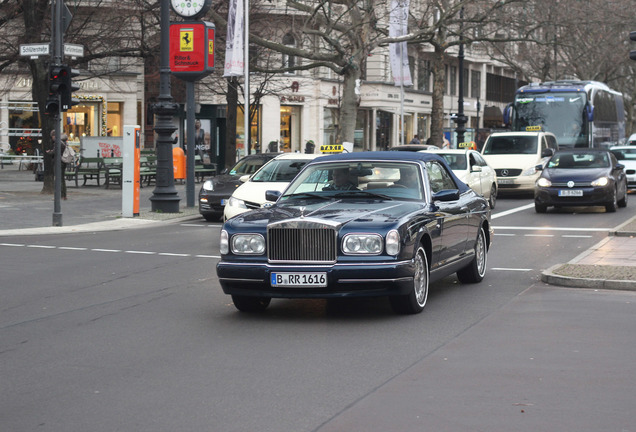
column 505, row 181
column 570, row 192
column 299, row 279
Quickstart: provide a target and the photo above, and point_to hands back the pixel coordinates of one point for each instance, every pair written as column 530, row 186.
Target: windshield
column 247, row 166
column 372, row 179
column 280, row 170
column 457, row 162
column 513, row 144
column 579, row 160
column 563, row 114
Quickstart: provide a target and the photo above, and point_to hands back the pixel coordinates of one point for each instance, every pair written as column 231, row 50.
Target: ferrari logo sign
column 186, row 40
column 191, row 49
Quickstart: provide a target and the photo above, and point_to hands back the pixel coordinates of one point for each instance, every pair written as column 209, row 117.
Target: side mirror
column 547, row 152
column 272, row 195
column 244, row 178
column 620, row 167
column 475, row 168
column 539, row 167
column 446, row 195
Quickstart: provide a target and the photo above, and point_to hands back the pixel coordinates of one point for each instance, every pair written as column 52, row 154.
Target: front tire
column 251, row 304
column 540, row 208
column 414, row 302
column 476, row 270
column 623, row 202
column 492, row 200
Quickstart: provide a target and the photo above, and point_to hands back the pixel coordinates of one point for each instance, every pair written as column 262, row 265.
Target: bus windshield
column 563, row 114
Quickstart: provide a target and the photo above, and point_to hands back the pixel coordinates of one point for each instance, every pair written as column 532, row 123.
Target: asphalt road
column 129, row 331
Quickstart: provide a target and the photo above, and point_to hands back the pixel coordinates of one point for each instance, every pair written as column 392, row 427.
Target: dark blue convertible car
column 358, row 224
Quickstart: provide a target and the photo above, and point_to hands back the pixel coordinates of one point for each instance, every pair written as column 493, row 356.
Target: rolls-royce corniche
column 380, row 224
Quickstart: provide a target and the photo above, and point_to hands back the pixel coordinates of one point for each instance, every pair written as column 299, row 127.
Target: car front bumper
column 592, row 196
column 343, row 280
column 517, row 184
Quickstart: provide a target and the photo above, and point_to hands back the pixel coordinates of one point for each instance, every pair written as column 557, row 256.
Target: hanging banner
column 398, row 53
column 234, row 42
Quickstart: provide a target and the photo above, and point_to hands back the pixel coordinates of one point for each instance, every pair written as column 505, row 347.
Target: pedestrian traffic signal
column 66, row 92
column 632, row 54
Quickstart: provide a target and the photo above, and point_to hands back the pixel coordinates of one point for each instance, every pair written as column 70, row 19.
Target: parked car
column 387, row 224
column 581, row 177
column 274, row 175
column 216, row 191
column 626, row 156
column 472, row 169
column 632, row 139
column 514, row 156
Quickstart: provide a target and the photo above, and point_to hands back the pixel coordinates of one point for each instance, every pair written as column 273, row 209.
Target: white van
column 514, row 156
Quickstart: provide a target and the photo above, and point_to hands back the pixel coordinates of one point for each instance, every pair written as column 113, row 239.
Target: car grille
column 297, row 242
column 576, row 184
column 507, row 172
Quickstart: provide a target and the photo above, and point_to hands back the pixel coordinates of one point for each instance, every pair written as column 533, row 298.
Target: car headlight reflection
column 235, row 202
column 362, row 244
column 603, row 181
column 208, row 185
column 544, row 182
column 248, row 244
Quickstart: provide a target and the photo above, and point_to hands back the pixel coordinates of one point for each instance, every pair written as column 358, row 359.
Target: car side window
column 439, row 178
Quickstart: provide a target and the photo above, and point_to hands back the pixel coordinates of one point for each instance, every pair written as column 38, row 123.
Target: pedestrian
column 415, row 140
column 63, row 145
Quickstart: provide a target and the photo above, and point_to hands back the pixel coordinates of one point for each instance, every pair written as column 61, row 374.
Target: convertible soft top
column 392, row 156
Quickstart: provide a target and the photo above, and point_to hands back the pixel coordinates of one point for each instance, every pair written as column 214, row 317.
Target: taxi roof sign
column 331, row 148
column 534, row 128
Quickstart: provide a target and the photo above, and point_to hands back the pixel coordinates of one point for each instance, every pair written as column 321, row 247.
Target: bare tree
column 126, row 34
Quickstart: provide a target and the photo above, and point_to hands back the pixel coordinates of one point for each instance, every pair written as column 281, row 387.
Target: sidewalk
column 24, row 210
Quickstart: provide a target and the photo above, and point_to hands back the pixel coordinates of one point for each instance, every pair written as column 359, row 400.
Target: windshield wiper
column 355, row 193
column 308, row 195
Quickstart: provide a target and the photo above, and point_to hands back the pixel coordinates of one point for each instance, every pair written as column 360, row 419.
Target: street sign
column 73, row 50
column 34, row 50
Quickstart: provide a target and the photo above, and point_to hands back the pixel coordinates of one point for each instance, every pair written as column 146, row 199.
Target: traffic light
column 52, row 105
column 56, row 80
column 632, row 54
column 68, row 88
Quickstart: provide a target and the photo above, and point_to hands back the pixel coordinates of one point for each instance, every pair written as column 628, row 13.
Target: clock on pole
column 190, row 8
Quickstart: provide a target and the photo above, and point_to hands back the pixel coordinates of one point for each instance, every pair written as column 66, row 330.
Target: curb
column 551, row 278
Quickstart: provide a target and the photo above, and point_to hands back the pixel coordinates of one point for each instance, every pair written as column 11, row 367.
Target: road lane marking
column 551, row 228
column 538, row 235
column 73, row 248
column 173, row 254
column 41, row 246
column 70, row 248
column 140, row 252
column 12, row 244
column 208, row 256
column 106, row 250
column 511, row 211
column 510, row 269
column 576, row 236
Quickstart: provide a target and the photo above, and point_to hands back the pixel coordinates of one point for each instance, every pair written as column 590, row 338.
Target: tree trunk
column 437, row 110
column 348, row 107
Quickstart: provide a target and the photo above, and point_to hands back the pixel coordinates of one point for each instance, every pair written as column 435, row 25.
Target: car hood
column 255, row 191
column 226, row 183
column 563, row 175
column 338, row 212
column 512, row 161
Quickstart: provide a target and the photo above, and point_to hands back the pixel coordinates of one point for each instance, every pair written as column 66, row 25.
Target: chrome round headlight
column 248, row 244
column 363, row 244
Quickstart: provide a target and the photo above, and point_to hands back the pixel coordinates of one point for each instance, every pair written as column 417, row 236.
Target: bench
column 147, row 169
column 87, row 168
column 202, row 170
column 112, row 170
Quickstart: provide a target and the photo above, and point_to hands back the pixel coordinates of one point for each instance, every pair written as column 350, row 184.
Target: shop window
column 114, row 119
column 24, row 129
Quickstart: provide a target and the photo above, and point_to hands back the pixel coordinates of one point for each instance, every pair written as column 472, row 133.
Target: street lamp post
column 461, row 118
column 164, row 197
